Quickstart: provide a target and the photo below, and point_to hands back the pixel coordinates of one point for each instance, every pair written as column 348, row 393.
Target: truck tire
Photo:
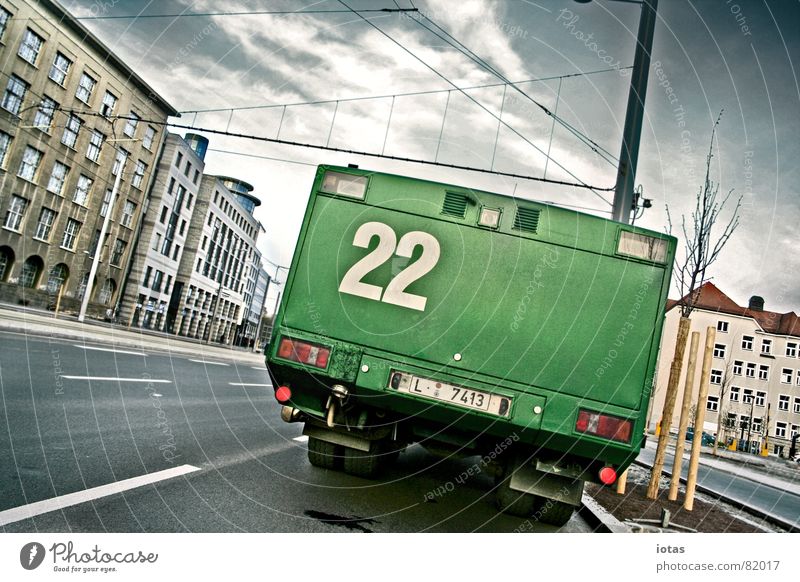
column 514, row 502
column 554, row 512
column 323, row 454
column 361, row 463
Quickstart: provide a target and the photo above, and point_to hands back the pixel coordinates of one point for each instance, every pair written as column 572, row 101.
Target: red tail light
column 604, row 425
column 607, row 475
column 304, row 352
column 283, row 394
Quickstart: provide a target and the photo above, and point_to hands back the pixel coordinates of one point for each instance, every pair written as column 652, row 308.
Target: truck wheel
column 514, row 502
column 323, row 454
column 554, row 512
column 361, row 463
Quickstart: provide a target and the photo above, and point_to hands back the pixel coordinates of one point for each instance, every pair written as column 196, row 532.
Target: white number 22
column 387, row 246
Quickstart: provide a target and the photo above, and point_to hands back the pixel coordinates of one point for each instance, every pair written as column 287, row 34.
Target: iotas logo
column 31, row 555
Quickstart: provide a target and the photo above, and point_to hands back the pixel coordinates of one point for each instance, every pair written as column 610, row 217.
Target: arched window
column 58, row 276
column 6, row 262
column 31, row 271
column 107, row 292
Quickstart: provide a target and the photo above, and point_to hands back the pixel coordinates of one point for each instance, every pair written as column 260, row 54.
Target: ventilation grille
column 454, row 204
column 527, row 219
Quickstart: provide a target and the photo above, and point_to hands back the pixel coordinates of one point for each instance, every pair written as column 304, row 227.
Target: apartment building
column 61, row 147
column 754, row 393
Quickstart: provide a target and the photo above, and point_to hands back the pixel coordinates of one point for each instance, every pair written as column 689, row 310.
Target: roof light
column 345, row 184
column 489, row 217
column 642, row 246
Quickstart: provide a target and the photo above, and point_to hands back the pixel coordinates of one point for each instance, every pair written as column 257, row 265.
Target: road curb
column 601, row 520
column 768, row 517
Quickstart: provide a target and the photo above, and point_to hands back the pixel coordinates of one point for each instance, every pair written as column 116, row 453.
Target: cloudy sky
column 740, row 56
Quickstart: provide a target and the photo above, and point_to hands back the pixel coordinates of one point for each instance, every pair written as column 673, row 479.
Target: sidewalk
column 766, row 471
column 42, row 323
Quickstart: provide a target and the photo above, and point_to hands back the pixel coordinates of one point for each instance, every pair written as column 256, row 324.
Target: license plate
column 458, row 395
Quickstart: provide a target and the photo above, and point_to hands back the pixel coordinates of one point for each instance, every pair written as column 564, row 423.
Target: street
column 205, row 450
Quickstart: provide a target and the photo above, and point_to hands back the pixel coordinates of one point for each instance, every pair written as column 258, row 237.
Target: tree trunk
column 669, row 406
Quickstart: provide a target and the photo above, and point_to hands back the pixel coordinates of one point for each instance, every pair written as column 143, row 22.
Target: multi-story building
column 61, row 146
column 258, row 283
column 754, row 393
column 208, row 295
column 165, row 227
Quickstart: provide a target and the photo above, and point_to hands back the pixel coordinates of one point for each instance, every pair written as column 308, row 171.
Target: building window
column 757, row 425
column 719, row 350
column 205, row 242
column 712, row 403
column 5, row 15
column 60, row 68
column 750, row 371
column 183, row 226
column 148, row 271
column 175, row 252
column 57, row 278
column 95, row 145
column 168, row 284
column 791, row 349
column 763, row 372
column 747, row 396
column 716, row 377
column 187, row 169
column 761, row 398
column 157, row 241
column 737, row 367
column 127, row 213
column 14, row 95
column 786, row 375
column 119, row 161
column 44, row 114
column 138, row 174
column 71, row 130
column 71, row 234
column 85, row 88
column 783, row 402
column 795, row 429
column 5, row 142
column 196, row 176
column 735, row 393
column 149, row 137
column 106, row 202
column 107, row 292
column 116, row 254
column 796, row 405
column 722, row 326
column 82, row 190
column 157, row 279
column 163, row 216
column 189, row 201
column 766, row 346
column 29, row 164
column 780, row 429
column 178, row 160
column 130, row 124
column 30, row 46
column 199, row 264
column 109, row 103
column 31, row 269
column 747, row 342
column 15, row 212
column 45, row 224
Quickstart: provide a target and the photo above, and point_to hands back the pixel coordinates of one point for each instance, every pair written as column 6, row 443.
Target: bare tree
column 701, row 250
column 722, row 421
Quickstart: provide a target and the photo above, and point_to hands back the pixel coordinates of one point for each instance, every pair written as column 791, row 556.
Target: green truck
column 471, row 323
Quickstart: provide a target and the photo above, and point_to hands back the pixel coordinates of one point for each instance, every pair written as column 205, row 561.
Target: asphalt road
column 739, row 488
column 62, row 434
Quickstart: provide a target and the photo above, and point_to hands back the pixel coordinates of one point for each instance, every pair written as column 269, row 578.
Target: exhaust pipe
column 291, row 414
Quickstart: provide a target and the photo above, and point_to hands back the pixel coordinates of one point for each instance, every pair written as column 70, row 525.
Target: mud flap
column 527, row 479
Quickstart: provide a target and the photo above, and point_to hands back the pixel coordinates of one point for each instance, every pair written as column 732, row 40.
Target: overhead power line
column 253, row 137
column 408, row 94
column 231, row 13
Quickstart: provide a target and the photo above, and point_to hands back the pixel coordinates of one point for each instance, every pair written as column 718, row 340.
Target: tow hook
column 339, row 395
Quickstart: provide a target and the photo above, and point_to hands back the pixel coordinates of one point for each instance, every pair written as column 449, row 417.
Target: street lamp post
column 87, row 292
column 632, row 132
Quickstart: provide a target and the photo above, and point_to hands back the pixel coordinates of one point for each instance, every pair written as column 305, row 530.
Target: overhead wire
column 236, row 13
column 583, row 184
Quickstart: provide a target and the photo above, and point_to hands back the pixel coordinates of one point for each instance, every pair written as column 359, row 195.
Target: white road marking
column 156, row 395
column 113, row 379
column 209, row 363
column 109, row 350
column 301, row 439
column 259, row 368
column 246, row 384
column 38, row 508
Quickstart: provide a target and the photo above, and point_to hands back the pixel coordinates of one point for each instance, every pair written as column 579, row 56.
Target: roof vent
column 756, row 303
column 454, row 204
column 527, row 219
